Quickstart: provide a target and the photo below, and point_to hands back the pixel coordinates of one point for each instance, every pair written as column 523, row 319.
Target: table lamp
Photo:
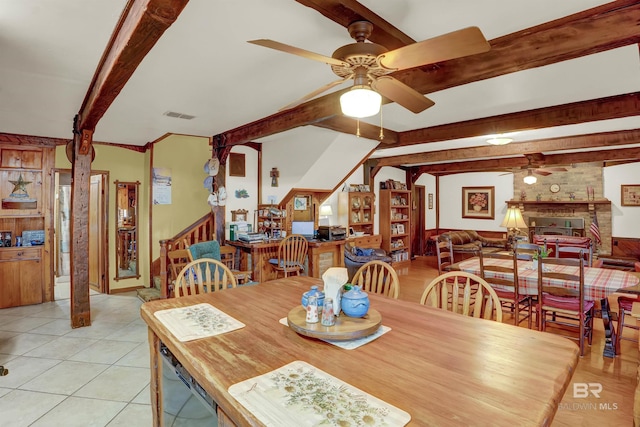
column 513, row 222
column 325, row 213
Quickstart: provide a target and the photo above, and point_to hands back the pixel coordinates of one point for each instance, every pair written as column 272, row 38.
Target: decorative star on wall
column 20, row 187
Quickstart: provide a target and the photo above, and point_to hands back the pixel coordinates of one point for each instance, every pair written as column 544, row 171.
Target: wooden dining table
column 442, row 368
column 599, row 283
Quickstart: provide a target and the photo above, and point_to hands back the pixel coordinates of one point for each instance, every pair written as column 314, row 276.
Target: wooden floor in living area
column 614, row 407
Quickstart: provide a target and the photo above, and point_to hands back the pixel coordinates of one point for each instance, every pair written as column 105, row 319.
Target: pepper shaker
column 328, row 319
column 312, row 309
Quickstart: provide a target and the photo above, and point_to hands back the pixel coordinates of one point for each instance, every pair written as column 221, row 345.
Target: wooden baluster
column 164, row 284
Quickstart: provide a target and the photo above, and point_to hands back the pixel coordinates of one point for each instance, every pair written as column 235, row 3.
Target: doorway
column 98, row 221
column 418, row 220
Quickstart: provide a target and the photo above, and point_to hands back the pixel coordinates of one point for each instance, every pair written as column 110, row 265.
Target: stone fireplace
column 569, row 203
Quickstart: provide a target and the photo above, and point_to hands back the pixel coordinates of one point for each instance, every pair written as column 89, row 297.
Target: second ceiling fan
column 369, row 64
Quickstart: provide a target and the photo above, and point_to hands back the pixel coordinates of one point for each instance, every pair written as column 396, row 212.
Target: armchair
column 358, row 252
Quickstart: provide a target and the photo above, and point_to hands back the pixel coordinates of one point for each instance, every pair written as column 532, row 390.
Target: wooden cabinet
column 19, row 158
column 20, row 276
column 26, row 210
column 395, row 221
column 356, row 210
column 271, row 220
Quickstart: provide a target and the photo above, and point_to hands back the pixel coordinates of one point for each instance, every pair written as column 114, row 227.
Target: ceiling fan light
column 530, row 179
column 360, row 102
column 499, row 141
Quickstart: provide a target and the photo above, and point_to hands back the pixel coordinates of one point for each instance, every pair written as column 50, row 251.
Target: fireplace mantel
column 590, row 203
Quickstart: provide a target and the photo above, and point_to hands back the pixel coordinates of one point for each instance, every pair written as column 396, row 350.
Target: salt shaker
column 328, row 319
column 312, row 309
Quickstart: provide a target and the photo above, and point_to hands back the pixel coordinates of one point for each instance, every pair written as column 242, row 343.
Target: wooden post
column 81, row 172
column 164, row 281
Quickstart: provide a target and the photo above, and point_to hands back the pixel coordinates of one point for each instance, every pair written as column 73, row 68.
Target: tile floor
column 60, row 376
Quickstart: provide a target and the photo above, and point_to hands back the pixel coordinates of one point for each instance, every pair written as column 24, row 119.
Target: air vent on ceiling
column 179, row 115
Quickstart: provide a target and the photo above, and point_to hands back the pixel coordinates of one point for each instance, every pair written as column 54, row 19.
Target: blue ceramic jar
column 315, row 292
column 355, row 303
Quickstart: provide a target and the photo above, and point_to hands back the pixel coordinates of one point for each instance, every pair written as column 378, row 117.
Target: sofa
column 360, row 250
column 469, row 242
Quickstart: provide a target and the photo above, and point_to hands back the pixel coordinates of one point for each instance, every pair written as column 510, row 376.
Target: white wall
column 625, row 219
column 249, row 183
column 451, row 199
column 319, row 162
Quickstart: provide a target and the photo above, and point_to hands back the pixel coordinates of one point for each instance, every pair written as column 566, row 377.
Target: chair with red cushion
column 624, row 308
column 565, row 302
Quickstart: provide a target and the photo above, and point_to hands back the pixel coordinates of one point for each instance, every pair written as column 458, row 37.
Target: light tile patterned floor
column 58, row 376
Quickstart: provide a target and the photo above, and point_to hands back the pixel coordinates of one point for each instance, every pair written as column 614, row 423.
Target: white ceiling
column 203, row 66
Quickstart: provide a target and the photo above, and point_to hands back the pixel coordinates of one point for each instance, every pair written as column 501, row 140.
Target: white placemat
column 299, row 394
column 197, row 321
column 351, row 344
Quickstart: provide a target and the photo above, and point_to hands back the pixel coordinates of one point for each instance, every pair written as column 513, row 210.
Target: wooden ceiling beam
column 625, row 154
column 139, row 28
column 598, row 29
column 344, row 12
column 603, row 139
column 349, row 126
column 611, row 107
column 574, row 36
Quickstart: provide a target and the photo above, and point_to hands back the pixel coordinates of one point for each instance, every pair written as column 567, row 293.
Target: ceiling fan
column 369, row 64
column 542, row 171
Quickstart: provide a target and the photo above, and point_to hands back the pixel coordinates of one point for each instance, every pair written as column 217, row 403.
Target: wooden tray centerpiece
column 346, row 328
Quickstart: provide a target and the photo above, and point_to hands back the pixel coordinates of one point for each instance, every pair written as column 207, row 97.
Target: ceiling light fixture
column 530, row 179
column 360, row 102
column 499, row 140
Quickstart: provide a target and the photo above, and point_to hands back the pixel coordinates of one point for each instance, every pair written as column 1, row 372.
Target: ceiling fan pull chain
column 358, row 128
column 381, row 128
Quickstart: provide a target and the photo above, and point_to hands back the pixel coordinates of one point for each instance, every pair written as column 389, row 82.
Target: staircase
column 200, row 231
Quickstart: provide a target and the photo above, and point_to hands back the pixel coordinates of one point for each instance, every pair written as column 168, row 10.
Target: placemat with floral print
column 299, row 394
column 197, row 321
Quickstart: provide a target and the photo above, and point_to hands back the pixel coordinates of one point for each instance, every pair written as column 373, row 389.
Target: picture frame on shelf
column 400, row 228
column 478, row 202
column 630, row 195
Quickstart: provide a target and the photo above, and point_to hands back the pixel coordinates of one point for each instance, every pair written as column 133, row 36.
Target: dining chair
column 526, row 250
column 561, row 293
column 378, row 277
column 178, row 258
column 444, row 253
column 203, row 275
column 624, row 309
column 292, row 252
column 504, row 280
column 228, row 258
column 456, row 295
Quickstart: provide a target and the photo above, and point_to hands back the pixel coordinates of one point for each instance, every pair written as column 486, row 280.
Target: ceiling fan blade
column 297, row 51
column 404, row 95
column 457, row 44
column 506, row 173
column 313, row 94
column 541, row 172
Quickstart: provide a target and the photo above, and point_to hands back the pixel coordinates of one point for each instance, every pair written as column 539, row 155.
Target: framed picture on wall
column 630, row 195
column 478, row 202
column 300, row 203
column 430, row 200
column 236, row 164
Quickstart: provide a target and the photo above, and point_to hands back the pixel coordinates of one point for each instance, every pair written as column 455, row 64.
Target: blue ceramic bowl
column 355, row 303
